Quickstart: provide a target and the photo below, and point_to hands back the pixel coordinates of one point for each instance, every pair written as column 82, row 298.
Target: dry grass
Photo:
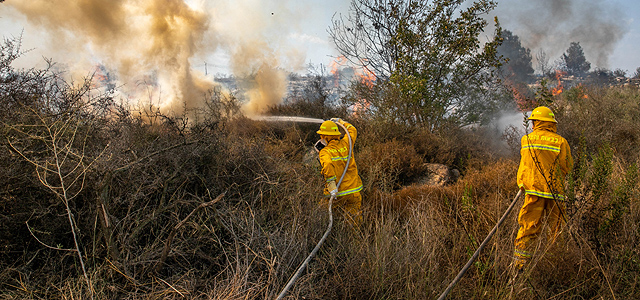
column 412, row 243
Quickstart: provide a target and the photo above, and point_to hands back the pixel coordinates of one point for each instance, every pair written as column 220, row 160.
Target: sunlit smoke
column 135, row 38
column 267, row 83
column 268, row 90
column 149, row 46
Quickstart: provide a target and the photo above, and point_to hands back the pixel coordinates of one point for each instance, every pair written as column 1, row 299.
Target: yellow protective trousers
column 349, row 207
column 533, row 214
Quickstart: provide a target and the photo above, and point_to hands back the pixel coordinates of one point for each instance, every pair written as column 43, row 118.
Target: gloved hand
column 333, row 190
column 336, row 120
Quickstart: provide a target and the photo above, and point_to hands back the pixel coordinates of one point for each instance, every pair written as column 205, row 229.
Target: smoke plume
column 551, row 25
column 153, row 44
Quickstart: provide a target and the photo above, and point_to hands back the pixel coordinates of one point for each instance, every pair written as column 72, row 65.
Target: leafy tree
column 637, row 73
column 574, row 60
column 601, row 76
column 430, row 63
column 518, row 64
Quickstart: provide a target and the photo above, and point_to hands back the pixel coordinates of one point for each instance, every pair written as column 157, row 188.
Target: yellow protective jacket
column 333, row 159
column 545, row 161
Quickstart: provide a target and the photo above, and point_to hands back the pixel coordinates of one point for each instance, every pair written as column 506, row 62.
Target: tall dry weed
column 413, row 241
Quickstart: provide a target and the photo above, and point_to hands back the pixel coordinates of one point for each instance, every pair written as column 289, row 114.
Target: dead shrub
column 432, row 196
column 601, row 115
column 413, row 241
column 388, row 165
column 497, row 178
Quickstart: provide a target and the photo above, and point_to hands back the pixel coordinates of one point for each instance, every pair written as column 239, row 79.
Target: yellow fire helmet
column 328, row 128
column 543, row 113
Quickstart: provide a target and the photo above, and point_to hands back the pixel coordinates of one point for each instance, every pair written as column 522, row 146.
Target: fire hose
column 477, row 253
column 326, row 233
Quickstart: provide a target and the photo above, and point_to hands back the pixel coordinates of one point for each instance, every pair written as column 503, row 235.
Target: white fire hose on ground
column 329, row 227
column 484, row 243
column 326, row 233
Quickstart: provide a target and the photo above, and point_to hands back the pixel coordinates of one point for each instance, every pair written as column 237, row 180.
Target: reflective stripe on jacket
column 333, row 159
column 545, row 161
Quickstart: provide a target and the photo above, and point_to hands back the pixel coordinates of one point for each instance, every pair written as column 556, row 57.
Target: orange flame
column 367, row 77
column 337, row 63
column 523, row 102
column 558, row 89
column 582, row 92
column 360, row 108
column 520, row 99
column 100, row 77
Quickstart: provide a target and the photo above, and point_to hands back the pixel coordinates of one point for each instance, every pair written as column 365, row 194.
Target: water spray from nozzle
column 286, row 119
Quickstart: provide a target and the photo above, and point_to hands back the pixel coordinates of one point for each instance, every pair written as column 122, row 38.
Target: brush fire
column 130, row 170
column 162, row 40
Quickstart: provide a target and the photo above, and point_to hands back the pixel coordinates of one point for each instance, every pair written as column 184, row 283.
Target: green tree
column 601, row 76
column 518, row 64
column 574, row 60
column 431, row 66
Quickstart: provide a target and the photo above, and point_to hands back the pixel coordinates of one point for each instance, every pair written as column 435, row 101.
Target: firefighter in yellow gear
column 545, row 161
column 333, row 154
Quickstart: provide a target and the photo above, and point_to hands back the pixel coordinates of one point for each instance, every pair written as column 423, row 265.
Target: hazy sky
column 607, row 30
column 576, row 21
column 303, row 28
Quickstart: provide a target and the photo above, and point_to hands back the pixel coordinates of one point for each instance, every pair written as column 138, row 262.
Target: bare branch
column 25, row 158
column 154, row 154
column 44, row 244
column 167, row 245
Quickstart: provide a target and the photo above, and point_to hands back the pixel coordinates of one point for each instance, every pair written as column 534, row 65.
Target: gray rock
column 438, row 175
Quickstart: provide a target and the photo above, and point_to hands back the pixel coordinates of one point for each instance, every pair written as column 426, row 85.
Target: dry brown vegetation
column 127, row 180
